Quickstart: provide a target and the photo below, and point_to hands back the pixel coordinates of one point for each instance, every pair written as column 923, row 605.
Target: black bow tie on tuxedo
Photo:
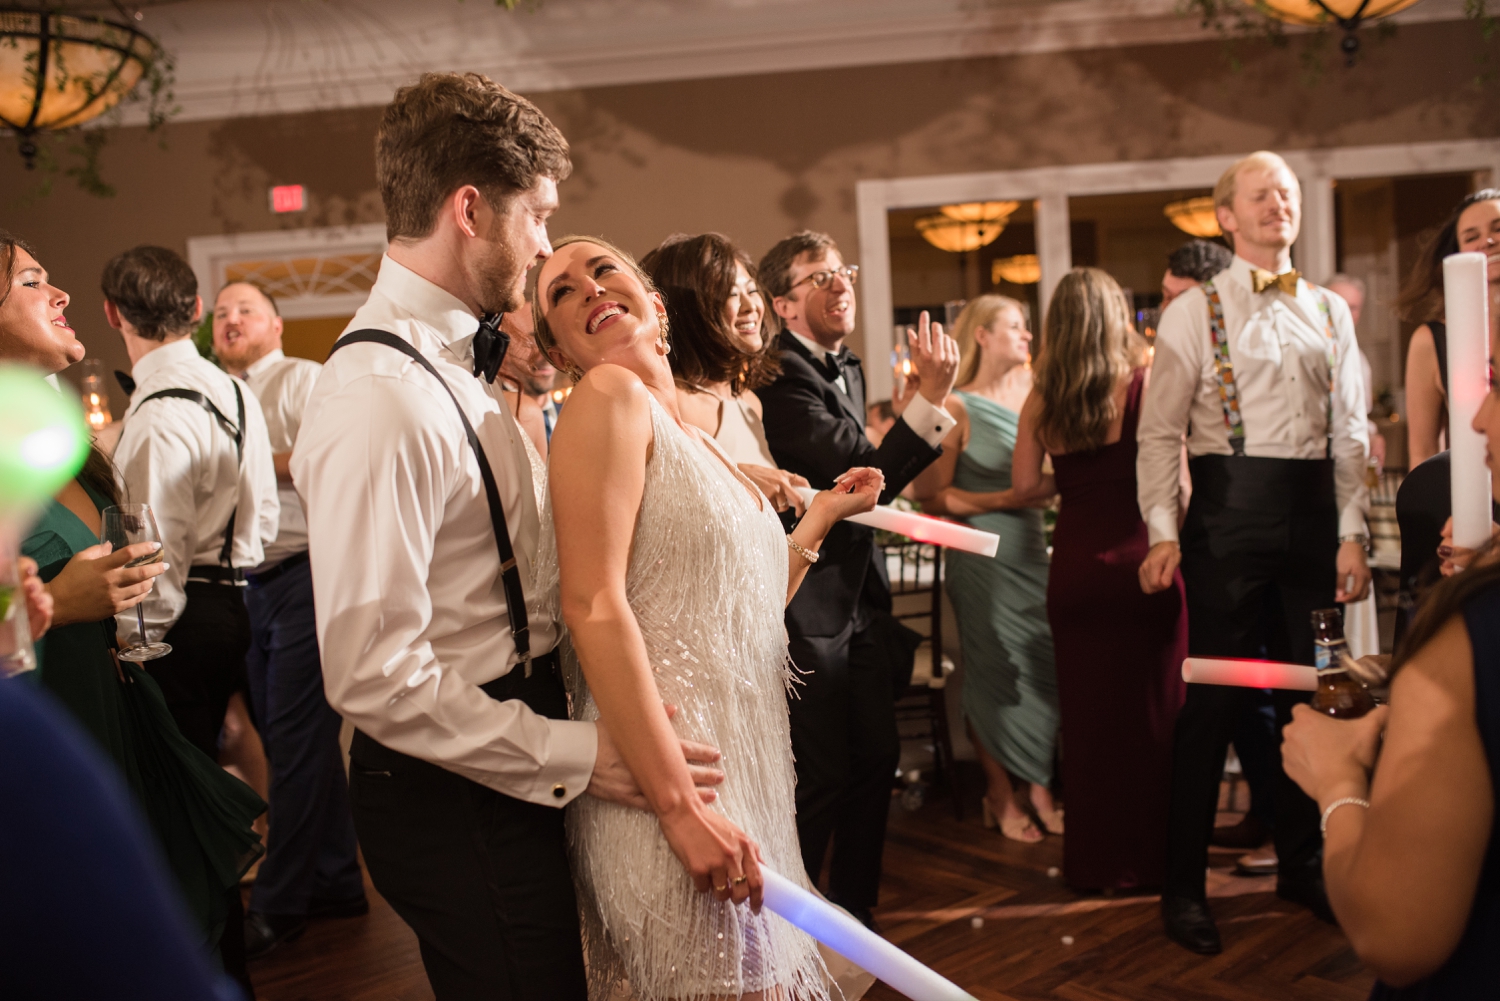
column 834, row 365
column 490, row 345
column 125, row 381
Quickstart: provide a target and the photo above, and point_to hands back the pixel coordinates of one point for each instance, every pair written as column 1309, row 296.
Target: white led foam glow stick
column 922, row 528
column 856, row 943
column 1466, row 293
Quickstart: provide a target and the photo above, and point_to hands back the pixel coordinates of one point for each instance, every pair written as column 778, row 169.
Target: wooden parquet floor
column 1036, row 939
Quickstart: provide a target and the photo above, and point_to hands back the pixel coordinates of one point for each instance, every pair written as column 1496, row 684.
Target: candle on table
column 1466, row 292
column 921, row 528
column 1250, row 673
column 856, row 943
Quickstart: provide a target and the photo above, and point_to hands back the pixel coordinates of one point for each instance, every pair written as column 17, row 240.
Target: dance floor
column 1036, row 939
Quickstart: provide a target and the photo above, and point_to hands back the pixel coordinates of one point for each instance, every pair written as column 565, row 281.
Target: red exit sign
column 288, row 198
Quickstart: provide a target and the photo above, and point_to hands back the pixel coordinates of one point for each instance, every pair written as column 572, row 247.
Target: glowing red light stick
column 1250, row 673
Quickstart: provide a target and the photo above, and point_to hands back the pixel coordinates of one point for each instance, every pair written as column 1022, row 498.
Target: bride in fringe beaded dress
column 673, row 573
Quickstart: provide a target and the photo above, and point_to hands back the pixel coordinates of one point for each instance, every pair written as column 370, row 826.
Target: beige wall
column 758, row 157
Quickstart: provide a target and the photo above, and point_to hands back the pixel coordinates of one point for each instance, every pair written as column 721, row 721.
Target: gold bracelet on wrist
column 802, row 551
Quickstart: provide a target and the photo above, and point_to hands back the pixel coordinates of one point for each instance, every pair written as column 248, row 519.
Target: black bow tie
column 490, row 345
column 834, row 365
column 125, row 381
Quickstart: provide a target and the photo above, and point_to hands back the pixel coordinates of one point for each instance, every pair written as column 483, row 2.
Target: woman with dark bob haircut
column 720, row 352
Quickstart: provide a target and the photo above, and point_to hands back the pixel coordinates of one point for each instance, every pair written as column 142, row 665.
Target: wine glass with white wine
column 125, row 526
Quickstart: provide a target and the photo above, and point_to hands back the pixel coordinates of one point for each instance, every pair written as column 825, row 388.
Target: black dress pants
column 481, row 877
column 207, row 663
column 1259, row 551
column 844, row 738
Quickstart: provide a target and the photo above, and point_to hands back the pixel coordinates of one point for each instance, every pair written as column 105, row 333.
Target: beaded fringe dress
column 707, row 583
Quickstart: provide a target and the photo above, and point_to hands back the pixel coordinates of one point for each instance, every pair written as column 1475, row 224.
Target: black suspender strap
column 510, row 576
column 226, row 551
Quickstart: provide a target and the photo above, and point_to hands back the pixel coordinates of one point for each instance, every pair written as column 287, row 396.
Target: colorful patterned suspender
column 1229, row 396
column 1228, row 393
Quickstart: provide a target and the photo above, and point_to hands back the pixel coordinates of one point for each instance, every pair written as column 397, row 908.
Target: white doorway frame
column 1051, row 187
column 210, row 255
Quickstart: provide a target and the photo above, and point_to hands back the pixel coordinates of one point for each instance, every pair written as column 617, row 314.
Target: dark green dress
column 201, row 814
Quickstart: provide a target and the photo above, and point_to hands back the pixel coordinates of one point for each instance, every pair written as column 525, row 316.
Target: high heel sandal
column 1014, row 828
column 1051, row 822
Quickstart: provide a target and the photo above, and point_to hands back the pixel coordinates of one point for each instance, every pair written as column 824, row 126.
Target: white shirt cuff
column 1161, row 525
column 1352, row 521
column 570, row 763
column 931, row 422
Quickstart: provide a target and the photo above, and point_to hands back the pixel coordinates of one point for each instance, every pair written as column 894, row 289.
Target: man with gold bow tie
column 1261, row 371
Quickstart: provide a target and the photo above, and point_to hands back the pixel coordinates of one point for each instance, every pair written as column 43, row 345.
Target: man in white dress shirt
column 194, row 446
column 311, row 866
column 1262, row 373
column 464, row 755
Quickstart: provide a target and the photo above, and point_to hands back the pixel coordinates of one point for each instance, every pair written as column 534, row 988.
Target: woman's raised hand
column 779, row 486
column 1456, row 558
column 96, row 584
column 720, row 858
column 854, row 492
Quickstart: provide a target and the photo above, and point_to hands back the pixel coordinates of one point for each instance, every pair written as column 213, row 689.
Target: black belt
column 541, row 687
column 213, row 573
column 265, row 577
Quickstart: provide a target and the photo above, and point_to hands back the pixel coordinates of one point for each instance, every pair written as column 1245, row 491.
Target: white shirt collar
column 1240, row 271
column 164, row 357
column 813, row 347
column 440, row 310
column 265, row 362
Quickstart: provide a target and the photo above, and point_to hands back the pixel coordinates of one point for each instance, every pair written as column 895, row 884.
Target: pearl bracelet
column 802, row 551
column 1328, row 810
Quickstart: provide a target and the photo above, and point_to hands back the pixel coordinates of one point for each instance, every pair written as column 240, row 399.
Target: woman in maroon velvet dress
column 1118, row 651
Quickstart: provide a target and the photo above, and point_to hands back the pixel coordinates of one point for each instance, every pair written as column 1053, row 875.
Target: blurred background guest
column 840, row 624
column 195, row 448
column 1119, row 651
column 720, row 353
column 1410, row 792
column 201, row 815
column 311, row 867
column 1423, row 502
column 1010, row 688
column 1190, row 265
column 880, row 416
column 527, row 369
column 1472, row 226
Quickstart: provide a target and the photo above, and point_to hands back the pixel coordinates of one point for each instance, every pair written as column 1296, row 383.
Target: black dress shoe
column 1310, row 893
column 264, row 932
column 353, row 908
column 1191, row 926
column 1251, row 832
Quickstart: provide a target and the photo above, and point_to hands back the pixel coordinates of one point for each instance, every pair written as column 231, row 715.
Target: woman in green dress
column 1009, row 685
column 201, row 814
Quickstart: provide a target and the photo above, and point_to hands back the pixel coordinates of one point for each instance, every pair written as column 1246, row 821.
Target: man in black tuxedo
column 840, row 627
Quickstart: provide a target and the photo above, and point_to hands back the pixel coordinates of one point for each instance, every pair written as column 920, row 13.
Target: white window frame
column 1051, row 187
column 210, row 255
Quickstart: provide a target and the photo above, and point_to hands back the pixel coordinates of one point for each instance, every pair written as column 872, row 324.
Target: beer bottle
column 1339, row 693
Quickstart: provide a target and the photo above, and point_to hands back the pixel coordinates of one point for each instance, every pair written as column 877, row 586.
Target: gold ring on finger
column 736, row 881
column 721, row 889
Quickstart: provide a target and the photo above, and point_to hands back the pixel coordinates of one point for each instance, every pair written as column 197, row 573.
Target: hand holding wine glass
column 128, row 525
